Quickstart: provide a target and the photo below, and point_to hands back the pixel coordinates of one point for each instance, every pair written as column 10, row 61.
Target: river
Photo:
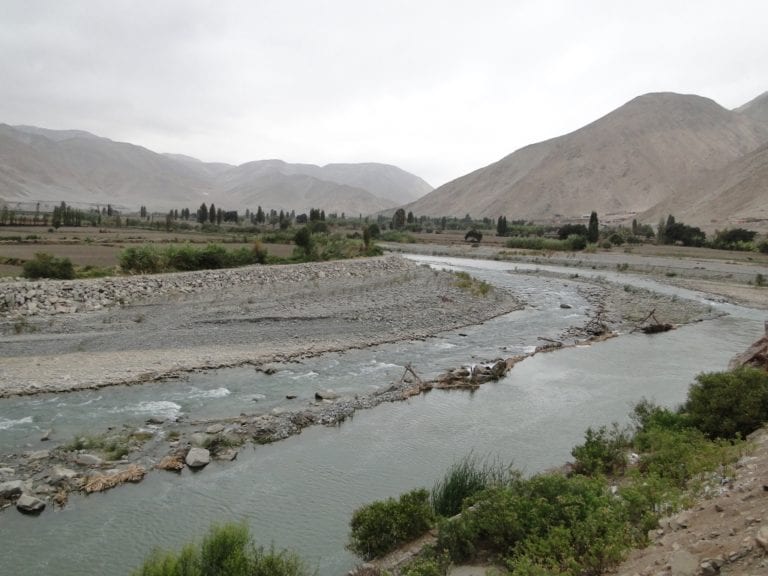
column 300, row 493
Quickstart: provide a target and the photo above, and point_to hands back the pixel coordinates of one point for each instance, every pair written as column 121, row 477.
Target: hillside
column 37, row 164
column 627, row 161
column 735, row 196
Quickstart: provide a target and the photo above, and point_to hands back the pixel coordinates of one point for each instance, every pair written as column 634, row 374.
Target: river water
column 300, row 493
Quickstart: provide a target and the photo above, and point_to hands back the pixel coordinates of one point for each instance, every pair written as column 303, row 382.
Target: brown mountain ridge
column 37, row 164
column 648, row 152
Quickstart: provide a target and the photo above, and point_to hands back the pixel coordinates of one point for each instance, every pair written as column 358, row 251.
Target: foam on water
column 215, row 393
column 6, row 424
column 156, row 408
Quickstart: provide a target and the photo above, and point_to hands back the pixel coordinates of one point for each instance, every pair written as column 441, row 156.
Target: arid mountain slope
column 70, row 165
column 757, row 109
column 37, row 164
column 627, row 161
column 735, row 196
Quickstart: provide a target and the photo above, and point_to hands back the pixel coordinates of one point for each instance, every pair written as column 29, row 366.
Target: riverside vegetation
column 622, row 481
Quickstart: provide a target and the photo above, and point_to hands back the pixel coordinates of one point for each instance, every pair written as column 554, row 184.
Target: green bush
column 727, row 404
column 381, row 526
column 678, row 455
column 603, row 451
column 141, row 260
column 227, row 550
column 428, row 564
column 46, row 266
column 149, row 259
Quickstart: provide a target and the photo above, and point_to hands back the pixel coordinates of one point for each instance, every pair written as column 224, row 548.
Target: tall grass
column 226, row 550
column 465, row 478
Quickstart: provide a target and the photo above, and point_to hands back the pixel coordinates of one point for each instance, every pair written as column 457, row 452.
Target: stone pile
column 48, row 297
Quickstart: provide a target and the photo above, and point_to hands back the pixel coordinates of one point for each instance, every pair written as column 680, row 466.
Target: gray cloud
column 438, row 88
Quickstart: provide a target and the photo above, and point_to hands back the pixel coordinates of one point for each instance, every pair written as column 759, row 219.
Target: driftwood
column 172, row 462
column 654, row 328
column 102, row 482
column 471, row 377
column 596, row 326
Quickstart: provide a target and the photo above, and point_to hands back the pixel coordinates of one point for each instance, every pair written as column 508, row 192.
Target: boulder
column 88, row 460
column 197, row 457
column 684, row 564
column 38, row 455
column 11, row 489
column 6, row 473
column 59, row 474
column 214, row 429
column 29, row 504
column 326, row 395
column 762, row 537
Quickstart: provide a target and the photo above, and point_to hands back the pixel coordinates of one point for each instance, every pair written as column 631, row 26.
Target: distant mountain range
column 659, row 153
column 37, row 164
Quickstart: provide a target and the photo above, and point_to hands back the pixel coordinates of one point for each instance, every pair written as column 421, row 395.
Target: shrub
column 727, row 404
column 603, row 451
column 381, row 526
column 141, row 260
column 678, row 455
column 46, row 266
column 226, row 550
column 428, row 564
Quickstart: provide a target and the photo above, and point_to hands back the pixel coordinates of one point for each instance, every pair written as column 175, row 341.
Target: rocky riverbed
column 58, row 336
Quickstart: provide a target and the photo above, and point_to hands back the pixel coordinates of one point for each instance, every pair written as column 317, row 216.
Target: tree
column 212, row 214
column 568, row 229
column 593, row 230
column 202, row 214
column 303, row 240
column 501, row 226
column 473, row 236
column 409, row 218
column 398, row 220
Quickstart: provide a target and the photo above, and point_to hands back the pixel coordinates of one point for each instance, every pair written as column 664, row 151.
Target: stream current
column 300, row 493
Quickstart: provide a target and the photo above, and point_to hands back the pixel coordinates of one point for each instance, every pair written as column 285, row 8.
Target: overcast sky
column 439, row 88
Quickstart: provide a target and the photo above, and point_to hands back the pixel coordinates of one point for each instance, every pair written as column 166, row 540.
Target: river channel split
column 299, row 493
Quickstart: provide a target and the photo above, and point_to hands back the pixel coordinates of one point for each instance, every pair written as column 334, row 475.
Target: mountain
column 627, row 161
column 733, row 197
column 389, row 183
column 757, row 109
column 37, row 164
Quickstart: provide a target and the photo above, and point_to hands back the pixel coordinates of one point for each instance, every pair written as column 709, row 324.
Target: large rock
column 326, row 395
column 88, row 460
column 214, row 429
column 197, row 457
column 29, row 504
column 11, row 489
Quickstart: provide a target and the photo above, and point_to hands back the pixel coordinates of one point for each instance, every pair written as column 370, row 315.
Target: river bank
column 723, row 279
column 153, row 327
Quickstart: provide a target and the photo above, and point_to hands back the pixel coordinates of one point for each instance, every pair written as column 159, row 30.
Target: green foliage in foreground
column 727, row 404
column 381, row 526
column 46, row 266
column 227, row 550
column 580, row 525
